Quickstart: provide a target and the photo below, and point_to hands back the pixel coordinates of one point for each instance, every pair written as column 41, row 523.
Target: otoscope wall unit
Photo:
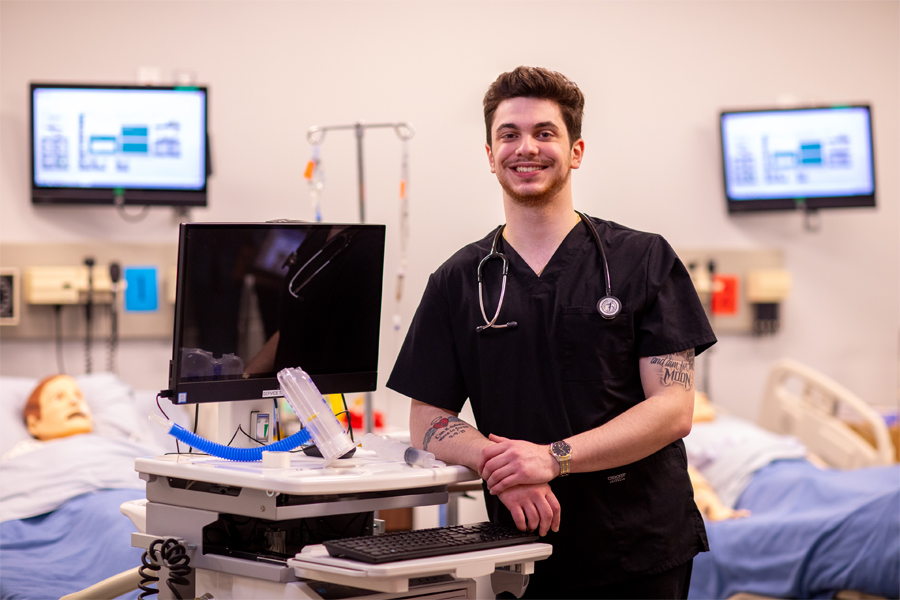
column 57, row 285
column 741, row 289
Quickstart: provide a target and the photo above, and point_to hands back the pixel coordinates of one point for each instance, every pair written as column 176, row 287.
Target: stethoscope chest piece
column 609, row 307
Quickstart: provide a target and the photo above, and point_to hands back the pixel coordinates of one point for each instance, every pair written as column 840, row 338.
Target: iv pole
column 316, row 136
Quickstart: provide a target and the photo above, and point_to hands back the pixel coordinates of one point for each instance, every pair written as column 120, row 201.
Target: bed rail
column 802, row 402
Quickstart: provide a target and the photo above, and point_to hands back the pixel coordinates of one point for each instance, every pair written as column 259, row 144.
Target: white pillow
column 14, row 392
column 111, row 401
column 117, row 410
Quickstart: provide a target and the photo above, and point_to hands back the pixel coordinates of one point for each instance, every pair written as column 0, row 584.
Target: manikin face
column 530, row 151
column 63, row 411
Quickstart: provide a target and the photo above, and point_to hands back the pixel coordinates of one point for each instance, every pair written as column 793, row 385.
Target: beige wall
column 655, row 75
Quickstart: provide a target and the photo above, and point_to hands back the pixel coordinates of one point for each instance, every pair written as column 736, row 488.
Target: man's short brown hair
column 536, row 82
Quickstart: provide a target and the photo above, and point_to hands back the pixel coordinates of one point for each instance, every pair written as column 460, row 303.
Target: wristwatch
column 562, row 452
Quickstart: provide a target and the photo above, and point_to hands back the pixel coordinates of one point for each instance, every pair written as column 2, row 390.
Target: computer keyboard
column 423, row 543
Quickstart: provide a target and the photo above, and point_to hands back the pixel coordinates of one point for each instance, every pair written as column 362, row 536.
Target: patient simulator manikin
column 56, row 409
column 707, row 500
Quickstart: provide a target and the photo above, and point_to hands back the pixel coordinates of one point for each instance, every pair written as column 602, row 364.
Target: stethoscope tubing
column 493, row 254
column 590, row 225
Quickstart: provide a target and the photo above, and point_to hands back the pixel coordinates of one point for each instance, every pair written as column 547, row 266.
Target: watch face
column 560, row 448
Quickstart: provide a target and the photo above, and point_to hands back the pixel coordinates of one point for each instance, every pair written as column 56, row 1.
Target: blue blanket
column 82, row 542
column 811, row 533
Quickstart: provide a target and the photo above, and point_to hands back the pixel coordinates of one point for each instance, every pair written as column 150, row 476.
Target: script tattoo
column 676, row 369
column 444, row 428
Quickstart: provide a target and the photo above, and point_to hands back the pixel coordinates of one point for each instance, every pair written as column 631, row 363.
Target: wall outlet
column 259, row 426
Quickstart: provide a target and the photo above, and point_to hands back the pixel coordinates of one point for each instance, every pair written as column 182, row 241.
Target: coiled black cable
column 146, row 571
column 115, row 273
column 173, row 556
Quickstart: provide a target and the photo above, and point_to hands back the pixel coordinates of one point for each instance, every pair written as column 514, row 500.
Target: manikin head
column 56, row 409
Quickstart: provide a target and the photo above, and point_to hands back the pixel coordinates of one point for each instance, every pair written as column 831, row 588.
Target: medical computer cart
column 204, row 502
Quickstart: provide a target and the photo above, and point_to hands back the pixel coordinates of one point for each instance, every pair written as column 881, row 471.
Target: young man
column 582, row 382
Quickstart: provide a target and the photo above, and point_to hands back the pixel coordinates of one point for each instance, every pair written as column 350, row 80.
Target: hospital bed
column 812, row 532
column 62, row 530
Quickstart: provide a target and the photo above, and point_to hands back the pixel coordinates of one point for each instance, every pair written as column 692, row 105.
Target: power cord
column 57, row 310
column 177, row 446
column 88, row 315
column 147, row 571
column 119, row 201
column 164, row 553
column 196, row 420
column 115, row 272
column 349, row 418
column 249, row 437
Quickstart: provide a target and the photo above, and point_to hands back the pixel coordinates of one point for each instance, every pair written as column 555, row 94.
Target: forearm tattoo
column 444, row 428
column 676, row 369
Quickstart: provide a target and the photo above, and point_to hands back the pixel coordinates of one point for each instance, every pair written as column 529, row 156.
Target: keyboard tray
column 314, row 562
column 424, row 543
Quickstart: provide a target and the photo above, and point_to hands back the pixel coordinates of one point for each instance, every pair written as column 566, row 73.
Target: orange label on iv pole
column 310, row 168
column 725, row 295
column 402, row 189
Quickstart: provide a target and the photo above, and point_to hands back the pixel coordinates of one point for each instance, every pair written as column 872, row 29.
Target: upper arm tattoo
column 676, row 368
column 444, row 428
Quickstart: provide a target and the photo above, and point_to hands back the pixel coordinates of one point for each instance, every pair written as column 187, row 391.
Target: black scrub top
column 564, row 370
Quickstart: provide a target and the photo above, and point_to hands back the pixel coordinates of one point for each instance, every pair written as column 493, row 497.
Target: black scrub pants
column 673, row 583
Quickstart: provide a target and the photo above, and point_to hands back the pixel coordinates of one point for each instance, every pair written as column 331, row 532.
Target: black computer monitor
column 119, row 144
column 804, row 158
column 253, row 298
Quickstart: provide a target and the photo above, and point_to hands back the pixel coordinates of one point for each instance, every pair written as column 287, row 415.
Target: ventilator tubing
column 227, row 452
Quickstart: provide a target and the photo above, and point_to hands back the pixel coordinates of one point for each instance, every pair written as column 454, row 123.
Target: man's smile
column 531, row 166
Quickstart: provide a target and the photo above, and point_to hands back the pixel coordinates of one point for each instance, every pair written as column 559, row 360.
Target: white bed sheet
column 38, row 477
column 729, row 450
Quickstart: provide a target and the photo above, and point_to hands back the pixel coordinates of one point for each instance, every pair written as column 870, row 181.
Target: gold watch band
column 562, row 452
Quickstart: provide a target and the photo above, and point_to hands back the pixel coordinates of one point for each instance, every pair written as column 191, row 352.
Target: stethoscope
column 608, row 306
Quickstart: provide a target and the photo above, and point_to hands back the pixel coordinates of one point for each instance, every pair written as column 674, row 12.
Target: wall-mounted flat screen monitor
column 806, row 158
column 103, row 144
column 254, row 298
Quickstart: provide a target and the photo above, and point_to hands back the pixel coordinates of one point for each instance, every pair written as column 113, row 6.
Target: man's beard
column 537, row 199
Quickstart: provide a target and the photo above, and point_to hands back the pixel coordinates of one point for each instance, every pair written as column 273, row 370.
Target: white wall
column 655, row 75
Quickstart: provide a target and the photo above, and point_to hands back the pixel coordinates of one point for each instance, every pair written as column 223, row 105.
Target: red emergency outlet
column 725, row 295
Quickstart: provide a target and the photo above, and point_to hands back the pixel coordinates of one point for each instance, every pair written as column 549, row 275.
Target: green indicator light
column 186, row 88
column 119, row 191
column 841, row 106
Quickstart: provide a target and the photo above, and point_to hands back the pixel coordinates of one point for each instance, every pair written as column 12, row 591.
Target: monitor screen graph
column 784, row 159
column 118, row 140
